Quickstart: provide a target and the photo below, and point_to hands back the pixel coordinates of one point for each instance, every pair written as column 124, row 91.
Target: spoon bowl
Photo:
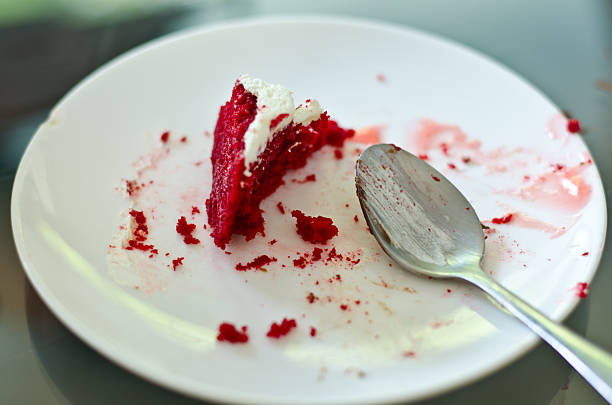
column 420, row 219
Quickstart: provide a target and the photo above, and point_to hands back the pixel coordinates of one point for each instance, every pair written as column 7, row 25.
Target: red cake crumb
column 272, row 242
column 435, row 178
column 423, row 156
column 131, row 187
column 557, row 167
column 582, row 290
column 311, row 298
column 177, row 262
column 140, row 232
column 452, row 166
column 338, row 154
column 466, row 159
column 336, row 135
column 444, row 148
column 502, row 220
column 229, row 333
column 300, row 262
column 233, row 204
column 573, row 126
column 280, row 207
column 408, row 354
column 195, row 210
column 313, row 331
column 164, row 137
column 308, row 258
column 185, row 229
column 343, row 307
column 333, row 255
column 276, row 330
column 585, row 254
column 314, row 229
column 184, row 139
column 310, row 177
column 356, row 218
column 256, row 263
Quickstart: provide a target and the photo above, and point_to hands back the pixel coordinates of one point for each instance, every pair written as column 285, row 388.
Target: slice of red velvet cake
column 258, row 137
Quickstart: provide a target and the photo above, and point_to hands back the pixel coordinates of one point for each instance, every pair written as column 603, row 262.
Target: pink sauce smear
column 562, row 188
column 433, row 135
column 369, row 135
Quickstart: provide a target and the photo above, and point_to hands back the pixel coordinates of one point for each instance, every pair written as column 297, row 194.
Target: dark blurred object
column 42, row 59
column 49, row 46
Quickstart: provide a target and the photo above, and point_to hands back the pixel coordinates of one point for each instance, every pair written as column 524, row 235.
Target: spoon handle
column 592, row 362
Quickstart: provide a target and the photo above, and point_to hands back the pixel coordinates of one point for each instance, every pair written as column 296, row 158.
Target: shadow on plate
column 84, row 376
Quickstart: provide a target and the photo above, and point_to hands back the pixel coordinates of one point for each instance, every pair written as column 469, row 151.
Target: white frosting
column 308, row 112
column 272, row 100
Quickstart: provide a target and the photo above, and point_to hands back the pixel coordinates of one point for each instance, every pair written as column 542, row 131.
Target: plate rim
column 152, row 374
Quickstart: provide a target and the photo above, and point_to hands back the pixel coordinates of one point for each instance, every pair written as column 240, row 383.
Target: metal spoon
column 427, row 226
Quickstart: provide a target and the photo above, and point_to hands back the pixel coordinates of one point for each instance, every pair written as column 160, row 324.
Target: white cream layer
column 272, row 101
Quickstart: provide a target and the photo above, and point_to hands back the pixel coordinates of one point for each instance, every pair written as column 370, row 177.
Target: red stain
column 277, row 120
column 502, row 220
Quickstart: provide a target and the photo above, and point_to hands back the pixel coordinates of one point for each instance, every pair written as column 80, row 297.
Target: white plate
column 65, row 212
